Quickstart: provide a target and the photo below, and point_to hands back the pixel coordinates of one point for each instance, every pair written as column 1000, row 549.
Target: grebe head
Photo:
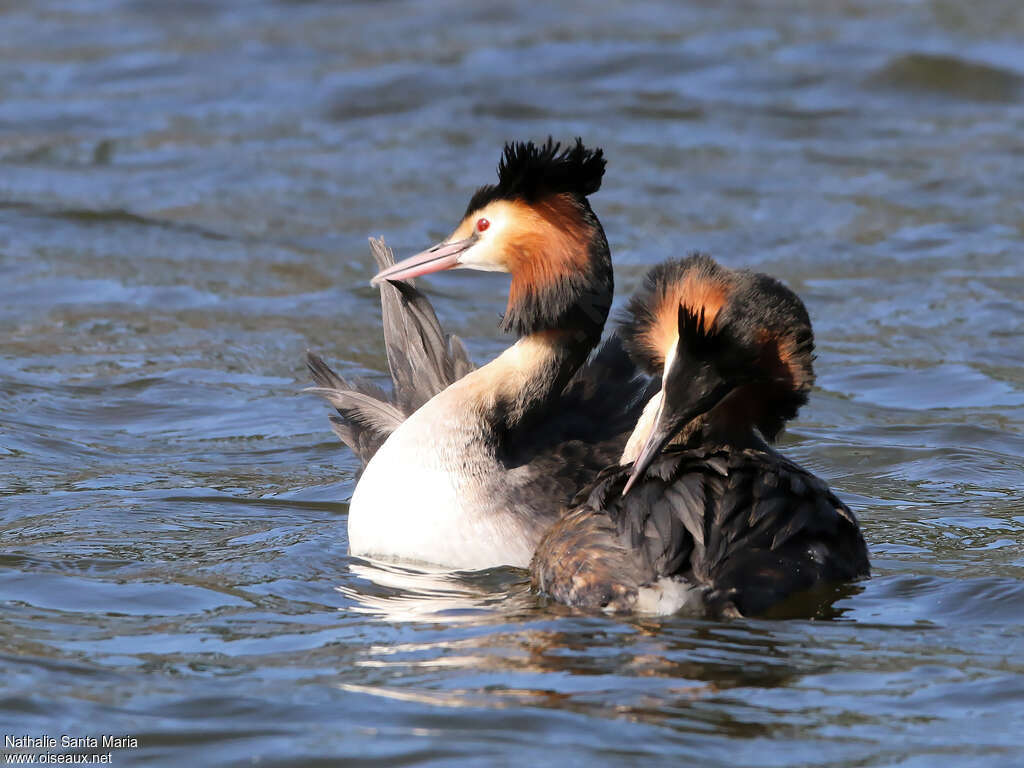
column 537, row 225
column 734, row 348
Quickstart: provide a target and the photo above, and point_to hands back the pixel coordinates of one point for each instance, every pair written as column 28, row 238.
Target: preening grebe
column 718, row 521
column 472, row 478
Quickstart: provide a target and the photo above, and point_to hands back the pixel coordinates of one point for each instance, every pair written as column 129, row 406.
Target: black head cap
column 530, row 172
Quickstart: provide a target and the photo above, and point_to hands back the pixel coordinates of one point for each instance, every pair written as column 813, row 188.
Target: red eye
column 482, row 224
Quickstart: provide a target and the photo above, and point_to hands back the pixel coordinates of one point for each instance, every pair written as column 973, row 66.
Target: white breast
column 427, row 496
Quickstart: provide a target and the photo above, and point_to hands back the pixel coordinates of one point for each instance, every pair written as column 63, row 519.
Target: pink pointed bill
column 442, row 256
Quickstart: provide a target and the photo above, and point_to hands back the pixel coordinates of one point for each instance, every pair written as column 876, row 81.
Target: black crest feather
column 698, row 340
column 530, row 172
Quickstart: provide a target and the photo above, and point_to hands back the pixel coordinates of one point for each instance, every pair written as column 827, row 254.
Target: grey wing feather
column 365, row 418
column 422, row 360
column 461, row 364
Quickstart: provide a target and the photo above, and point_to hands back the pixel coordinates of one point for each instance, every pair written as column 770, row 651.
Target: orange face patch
column 696, row 291
column 538, row 243
column 547, row 242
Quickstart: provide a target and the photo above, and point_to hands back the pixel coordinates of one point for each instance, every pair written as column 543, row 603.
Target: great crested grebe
column 717, row 522
column 473, row 477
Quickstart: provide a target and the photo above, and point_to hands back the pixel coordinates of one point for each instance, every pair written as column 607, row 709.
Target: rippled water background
column 185, row 193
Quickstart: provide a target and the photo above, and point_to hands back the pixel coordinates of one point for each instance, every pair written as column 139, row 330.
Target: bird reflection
column 485, row 641
column 402, row 594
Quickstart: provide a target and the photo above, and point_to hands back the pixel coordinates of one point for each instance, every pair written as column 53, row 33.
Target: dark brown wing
column 748, row 526
column 583, row 562
column 775, row 532
column 608, row 546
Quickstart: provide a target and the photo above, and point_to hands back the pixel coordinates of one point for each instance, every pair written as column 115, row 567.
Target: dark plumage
column 719, row 521
column 782, row 334
column 745, row 527
column 529, row 172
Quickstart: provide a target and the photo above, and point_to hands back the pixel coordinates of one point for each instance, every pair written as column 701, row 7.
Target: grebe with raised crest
column 467, row 468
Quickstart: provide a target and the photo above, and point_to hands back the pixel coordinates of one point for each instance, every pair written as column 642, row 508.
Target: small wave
column 949, row 76
column 913, row 600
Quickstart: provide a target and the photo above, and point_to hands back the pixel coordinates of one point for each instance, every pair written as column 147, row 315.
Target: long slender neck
column 558, row 304
column 516, row 390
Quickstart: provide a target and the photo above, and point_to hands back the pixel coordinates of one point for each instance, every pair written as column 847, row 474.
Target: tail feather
column 422, row 359
column 365, row 418
column 367, row 410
